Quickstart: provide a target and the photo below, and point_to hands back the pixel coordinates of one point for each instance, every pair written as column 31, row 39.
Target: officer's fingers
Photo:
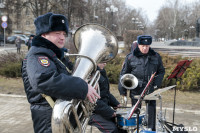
column 93, row 98
column 96, row 95
column 96, row 87
column 119, row 105
column 92, row 91
column 90, row 96
column 90, row 99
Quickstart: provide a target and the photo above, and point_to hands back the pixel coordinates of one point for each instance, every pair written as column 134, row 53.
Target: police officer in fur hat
column 46, row 71
column 142, row 62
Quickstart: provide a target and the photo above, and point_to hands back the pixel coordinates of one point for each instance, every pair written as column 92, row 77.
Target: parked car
column 168, row 42
column 179, row 43
column 11, row 39
column 24, row 37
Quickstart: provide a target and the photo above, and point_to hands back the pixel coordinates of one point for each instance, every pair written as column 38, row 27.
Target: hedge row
column 10, row 66
column 190, row 80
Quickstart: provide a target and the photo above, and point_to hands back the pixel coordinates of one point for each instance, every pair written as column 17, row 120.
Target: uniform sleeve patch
column 44, row 61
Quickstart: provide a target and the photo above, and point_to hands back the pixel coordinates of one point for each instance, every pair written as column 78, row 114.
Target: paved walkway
column 11, row 48
column 185, row 51
column 15, row 116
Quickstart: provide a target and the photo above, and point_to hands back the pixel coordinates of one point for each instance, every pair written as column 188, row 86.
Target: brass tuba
column 95, row 44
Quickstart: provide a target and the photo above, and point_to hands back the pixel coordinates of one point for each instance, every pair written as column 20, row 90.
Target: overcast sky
column 150, row 7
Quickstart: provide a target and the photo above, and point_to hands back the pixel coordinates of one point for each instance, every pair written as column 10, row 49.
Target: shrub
column 189, row 81
column 113, row 69
column 11, row 69
column 10, row 64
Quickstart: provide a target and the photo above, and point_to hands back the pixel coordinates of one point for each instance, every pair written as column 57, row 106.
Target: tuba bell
column 95, row 44
column 129, row 81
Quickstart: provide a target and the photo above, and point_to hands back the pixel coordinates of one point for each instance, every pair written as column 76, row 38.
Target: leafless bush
column 10, row 57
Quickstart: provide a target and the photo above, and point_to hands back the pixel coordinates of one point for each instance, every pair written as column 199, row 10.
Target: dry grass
column 11, row 86
column 185, row 100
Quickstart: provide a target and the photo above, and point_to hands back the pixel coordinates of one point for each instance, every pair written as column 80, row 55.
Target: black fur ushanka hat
column 144, row 40
column 51, row 22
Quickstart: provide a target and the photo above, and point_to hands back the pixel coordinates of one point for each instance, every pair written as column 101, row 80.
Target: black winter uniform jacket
column 107, row 100
column 44, row 73
column 143, row 66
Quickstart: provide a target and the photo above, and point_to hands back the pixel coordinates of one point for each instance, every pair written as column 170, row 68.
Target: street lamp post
column 94, row 15
column 157, row 34
column 191, row 31
column 4, row 26
column 186, row 33
column 135, row 20
column 140, row 26
column 197, row 28
column 170, row 33
column 112, row 9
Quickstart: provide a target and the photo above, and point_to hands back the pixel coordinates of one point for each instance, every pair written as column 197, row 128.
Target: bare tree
column 177, row 20
column 38, row 7
column 79, row 12
column 73, row 9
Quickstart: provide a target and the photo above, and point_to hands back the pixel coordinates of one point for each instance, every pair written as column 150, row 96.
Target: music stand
column 177, row 73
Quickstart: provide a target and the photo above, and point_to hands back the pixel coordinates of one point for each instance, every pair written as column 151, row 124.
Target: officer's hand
column 118, row 106
column 92, row 94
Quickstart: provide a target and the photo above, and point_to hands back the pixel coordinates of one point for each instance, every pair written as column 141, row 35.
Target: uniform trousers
column 104, row 125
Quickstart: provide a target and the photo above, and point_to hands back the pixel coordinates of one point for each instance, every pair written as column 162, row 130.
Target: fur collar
column 137, row 52
column 39, row 41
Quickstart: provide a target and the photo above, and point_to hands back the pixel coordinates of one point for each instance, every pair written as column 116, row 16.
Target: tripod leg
column 174, row 104
column 138, row 122
column 138, row 115
column 146, row 115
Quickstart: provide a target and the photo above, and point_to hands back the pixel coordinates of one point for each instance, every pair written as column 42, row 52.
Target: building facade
column 20, row 19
